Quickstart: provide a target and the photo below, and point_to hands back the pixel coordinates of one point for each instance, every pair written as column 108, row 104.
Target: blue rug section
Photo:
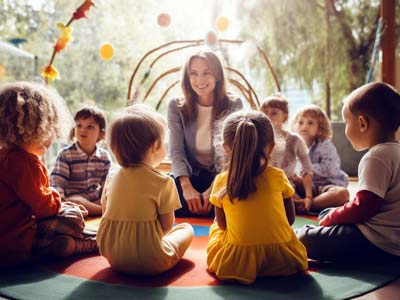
column 201, row 230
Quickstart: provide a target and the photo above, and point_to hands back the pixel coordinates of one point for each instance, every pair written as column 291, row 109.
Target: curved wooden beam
column 170, row 51
column 165, row 93
column 244, row 92
column 251, row 90
column 146, row 75
column 241, row 88
column 195, row 43
column 265, row 57
column 150, row 52
column 170, row 71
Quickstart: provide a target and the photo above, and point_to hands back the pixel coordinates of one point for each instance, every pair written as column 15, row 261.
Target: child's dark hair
column 275, row 102
column 379, row 101
column 246, row 134
column 133, row 132
column 90, row 112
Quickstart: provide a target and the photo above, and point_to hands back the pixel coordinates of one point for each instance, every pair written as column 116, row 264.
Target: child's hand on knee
column 83, row 210
column 302, row 205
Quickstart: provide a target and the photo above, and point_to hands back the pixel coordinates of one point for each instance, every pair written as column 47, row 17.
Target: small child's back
column 130, row 236
column 258, row 230
column 379, row 173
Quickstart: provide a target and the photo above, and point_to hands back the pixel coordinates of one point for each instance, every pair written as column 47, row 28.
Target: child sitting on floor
column 253, row 207
column 81, row 169
column 136, row 233
column 329, row 181
column 368, row 227
column 32, row 217
column 289, row 149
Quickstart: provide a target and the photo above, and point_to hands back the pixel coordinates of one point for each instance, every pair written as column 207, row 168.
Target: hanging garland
column 49, row 72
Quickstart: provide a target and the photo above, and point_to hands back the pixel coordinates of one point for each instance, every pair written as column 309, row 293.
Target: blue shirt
column 326, row 164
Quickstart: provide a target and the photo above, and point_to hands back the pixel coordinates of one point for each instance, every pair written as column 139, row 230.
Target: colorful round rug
column 90, row 277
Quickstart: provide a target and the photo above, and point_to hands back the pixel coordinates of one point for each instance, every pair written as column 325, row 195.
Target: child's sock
column 65, row 245
column 86, row 245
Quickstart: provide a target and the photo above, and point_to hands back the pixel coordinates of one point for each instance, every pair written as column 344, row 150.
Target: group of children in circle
column 271, row 174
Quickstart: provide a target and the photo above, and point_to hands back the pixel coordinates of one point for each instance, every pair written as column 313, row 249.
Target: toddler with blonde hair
column 32, row 217
column 136, row 234
column 329, row 181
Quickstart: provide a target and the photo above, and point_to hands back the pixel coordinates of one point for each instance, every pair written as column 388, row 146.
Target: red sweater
column 364, row 206
column 25, row 196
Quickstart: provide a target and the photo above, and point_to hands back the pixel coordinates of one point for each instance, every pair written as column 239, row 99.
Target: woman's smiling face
column 201, row 78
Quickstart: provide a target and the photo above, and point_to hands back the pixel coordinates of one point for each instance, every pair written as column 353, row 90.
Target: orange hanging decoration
column 83, row 10
column 49, row 72
column 106, row 51
column 64, row 38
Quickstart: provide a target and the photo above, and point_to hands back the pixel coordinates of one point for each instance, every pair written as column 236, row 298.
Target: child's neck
column 381, row 139
column 280, row 131
column 88, row 149
column 309, row 142
column 149, row 161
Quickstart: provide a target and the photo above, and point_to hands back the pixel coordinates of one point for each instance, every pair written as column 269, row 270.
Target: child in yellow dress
column 136, row 233
column 252, row 235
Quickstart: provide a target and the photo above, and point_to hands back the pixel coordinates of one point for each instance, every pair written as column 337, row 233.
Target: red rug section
column 190, row 271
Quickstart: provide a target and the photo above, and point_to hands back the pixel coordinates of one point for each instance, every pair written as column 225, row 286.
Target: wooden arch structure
column 242, row 84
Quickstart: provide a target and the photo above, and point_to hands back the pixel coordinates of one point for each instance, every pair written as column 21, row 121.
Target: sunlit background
column 307, row 43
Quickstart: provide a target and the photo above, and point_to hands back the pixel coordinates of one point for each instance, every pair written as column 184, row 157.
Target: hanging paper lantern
column 164, row 20
column 106, row 51
column 2, row 70
column 222, row 23
column 211, row 39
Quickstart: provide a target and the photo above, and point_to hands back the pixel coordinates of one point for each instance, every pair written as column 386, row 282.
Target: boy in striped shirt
column 81, row 169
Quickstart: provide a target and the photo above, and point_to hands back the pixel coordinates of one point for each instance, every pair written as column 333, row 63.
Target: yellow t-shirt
column 130, row 235
column 258, row 240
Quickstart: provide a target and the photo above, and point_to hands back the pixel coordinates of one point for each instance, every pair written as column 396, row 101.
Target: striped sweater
column 76, row 173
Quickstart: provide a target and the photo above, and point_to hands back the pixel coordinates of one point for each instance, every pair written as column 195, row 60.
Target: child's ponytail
column 242, row 163
column 246, row 134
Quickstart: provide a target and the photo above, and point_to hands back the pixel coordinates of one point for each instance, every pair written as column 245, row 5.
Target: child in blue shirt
column 329, row 181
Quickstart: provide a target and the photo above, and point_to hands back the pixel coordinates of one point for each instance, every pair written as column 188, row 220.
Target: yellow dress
column 258, row 240
column 130, row 235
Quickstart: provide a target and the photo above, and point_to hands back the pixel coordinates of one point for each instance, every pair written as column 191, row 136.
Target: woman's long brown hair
column 221, row 99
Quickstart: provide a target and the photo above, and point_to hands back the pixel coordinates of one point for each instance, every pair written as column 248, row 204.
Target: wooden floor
column 388, row 292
